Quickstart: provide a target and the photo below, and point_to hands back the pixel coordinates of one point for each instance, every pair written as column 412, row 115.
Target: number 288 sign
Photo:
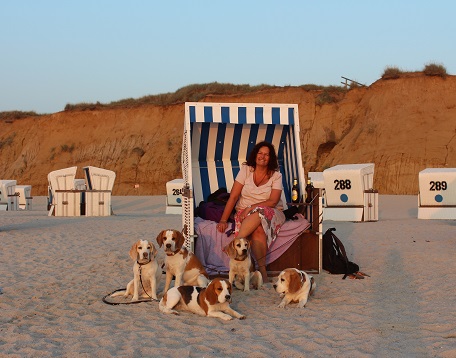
column 344, row 184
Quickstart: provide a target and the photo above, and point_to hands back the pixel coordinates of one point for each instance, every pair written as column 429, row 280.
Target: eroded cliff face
column 403, row 126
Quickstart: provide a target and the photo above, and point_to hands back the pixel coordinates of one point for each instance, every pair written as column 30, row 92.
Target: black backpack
column 334, row 256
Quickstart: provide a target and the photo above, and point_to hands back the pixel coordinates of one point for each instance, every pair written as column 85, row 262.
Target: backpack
column 334, row 256
column 212, row 209
column 291, row 212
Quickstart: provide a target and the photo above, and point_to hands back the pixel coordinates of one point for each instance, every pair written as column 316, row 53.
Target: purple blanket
column 210, row 243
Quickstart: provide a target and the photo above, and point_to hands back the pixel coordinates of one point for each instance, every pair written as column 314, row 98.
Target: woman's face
column 262, row 157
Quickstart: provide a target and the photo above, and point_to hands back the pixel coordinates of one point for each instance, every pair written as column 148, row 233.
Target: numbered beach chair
column 217, row 139
column 437, row 194
column 349, row 193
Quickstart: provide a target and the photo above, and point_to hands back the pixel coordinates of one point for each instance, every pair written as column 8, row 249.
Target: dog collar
column 142, row 264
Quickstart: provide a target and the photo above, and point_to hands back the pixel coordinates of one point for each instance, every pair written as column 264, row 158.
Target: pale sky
column 55, row 52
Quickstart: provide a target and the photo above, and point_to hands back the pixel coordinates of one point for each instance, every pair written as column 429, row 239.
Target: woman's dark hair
column 273, row 165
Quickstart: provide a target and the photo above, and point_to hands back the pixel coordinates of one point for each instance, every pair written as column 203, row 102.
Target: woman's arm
column 232, row 200
column 272, row 201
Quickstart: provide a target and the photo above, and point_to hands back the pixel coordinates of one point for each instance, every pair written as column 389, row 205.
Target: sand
column 54, row 272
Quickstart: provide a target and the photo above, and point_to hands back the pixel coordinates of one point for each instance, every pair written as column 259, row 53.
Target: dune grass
column 197, row 92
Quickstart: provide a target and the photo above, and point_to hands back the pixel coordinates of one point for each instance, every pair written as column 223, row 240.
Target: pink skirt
column 271, row 221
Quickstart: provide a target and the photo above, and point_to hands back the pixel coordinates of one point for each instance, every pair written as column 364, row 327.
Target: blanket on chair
column 210, row 243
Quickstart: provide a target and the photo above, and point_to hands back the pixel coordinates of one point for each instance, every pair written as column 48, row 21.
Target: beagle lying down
column 295, row 285
column 212, row 301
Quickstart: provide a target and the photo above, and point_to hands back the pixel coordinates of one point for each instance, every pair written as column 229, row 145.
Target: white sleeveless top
column 252, row 194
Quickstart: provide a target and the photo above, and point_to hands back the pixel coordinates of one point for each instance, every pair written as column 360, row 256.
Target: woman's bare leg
column 259, row 250
column 249, row 225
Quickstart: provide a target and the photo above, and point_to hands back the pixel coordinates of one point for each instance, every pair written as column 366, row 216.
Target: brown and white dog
column 212, row 301
column 146, row 274
column 295, row 285
column 242, row 271
column 179, row 262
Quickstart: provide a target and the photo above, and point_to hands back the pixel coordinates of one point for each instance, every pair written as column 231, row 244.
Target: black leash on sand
column 150, row 299
column 104, row 299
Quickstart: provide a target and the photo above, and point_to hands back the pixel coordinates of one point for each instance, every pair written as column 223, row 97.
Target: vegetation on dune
column 190, row 93
column 391, row 73
column 12, row 115
column 434, row 69
column 431, row 69
column 197, row 92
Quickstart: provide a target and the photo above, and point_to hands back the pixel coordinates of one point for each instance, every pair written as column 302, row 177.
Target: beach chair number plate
column 438, row 185
column 177, row 191
column 342, row 184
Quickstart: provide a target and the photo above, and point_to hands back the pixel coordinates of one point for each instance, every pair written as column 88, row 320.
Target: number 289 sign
column 344, row 184
column 438, row 185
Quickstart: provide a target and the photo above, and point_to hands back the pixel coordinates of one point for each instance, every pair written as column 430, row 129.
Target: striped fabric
column 219, row 136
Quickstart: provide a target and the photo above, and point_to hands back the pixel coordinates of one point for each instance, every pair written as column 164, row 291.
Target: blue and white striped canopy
column 219, row 137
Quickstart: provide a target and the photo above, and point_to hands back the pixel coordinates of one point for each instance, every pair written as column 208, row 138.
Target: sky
column 56, row 52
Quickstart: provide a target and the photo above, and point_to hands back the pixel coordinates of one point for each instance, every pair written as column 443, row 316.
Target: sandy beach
column 54, row 272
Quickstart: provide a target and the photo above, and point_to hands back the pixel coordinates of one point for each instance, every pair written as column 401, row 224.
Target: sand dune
column 54, row 272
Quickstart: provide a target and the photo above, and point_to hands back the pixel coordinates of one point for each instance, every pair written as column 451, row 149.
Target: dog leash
column 150, row 299
column 104, row 299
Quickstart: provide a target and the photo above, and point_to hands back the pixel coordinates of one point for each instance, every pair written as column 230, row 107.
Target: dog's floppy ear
column 133, row 251
column 153, row 249
column 211, row 295
column 295, row 283
column 229, row 250
column 180, row 238
column 160, row 238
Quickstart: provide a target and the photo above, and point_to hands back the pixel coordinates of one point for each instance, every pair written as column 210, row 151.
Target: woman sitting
column 256, row 196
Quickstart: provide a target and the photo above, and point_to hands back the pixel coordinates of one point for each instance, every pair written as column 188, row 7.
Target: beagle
column 242, row 270
column 146, row 274
column 295, row 285
column 212, row 301
column 179, row 262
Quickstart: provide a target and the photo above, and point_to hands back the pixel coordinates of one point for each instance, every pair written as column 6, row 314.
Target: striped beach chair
column 217, row 140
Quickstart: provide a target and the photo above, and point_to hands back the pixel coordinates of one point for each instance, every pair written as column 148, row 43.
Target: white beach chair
column 99, row 183
column 24, row 193
column 217, row 138
column 8, row 196
column 349, row 193
column 174, row 196
column 437, row 193
column 63, row 199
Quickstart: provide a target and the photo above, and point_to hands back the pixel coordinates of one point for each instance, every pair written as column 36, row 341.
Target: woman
column 256, row 194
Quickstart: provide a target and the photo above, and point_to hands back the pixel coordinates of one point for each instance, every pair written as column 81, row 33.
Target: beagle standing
column 179, row 262
column 212, row 301
column 295, row 285
column 146, row 274
column 242, row 271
